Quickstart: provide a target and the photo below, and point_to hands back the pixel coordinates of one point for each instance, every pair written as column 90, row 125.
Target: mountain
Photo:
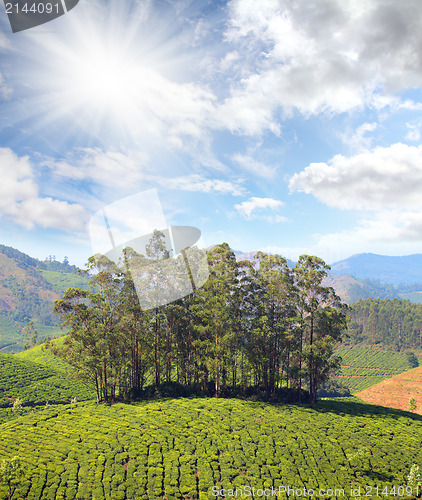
column 394, row 270
column 28, row 289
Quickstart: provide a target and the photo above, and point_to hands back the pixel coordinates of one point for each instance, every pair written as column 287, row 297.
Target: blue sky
column 290, row 127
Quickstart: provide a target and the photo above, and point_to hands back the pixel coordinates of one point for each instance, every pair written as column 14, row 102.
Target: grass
column 181, row 449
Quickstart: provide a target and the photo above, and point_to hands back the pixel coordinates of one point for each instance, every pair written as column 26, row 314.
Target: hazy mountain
column 394, row 270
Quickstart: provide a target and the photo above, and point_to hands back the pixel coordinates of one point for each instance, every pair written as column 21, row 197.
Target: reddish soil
column 395, row 392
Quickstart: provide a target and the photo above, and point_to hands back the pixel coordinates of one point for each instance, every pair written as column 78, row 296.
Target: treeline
column 395, row 323
column 28, row 263
column 370, row 288
column 260, row 325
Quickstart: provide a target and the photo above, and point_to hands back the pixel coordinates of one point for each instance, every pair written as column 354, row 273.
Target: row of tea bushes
column 35, row 383
column 362, row 367
column 179, row 449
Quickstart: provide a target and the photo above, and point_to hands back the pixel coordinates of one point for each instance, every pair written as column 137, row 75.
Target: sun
column 106, row 81
column 98, row 76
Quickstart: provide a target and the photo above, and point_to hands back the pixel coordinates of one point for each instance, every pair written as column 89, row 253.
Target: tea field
column 363, row 367
column 182, row 449
column 36, row 383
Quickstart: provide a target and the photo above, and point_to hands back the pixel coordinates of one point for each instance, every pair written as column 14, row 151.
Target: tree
column 95, row 343
column 216, row 313
column 412, row 404
column 11, row 470
column 322, row 320
column 17, row 406
column 31, row 335
column 414, row 479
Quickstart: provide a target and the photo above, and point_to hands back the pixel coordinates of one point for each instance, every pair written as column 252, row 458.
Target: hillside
column 28, row 289
column 36, row 376
column 363, row 367
column 184, row 448
column 395, row 270
column 395, row 392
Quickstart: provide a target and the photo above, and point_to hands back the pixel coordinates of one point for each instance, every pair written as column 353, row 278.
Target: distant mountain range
column 394, row 270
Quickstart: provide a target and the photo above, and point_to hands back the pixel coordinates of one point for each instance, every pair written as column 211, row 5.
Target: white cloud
column 359, row 140
column 20, row 200
column 201, row 184
column 105, row 168
column 414, row 133
column 389, row 232
column 378, row 179
column 319, row 57
column 253, row 166
column 256, row 208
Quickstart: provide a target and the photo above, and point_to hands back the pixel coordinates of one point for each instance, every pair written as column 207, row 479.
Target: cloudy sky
column 290, row 127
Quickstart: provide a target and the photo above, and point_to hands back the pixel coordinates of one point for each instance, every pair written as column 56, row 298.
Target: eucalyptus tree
column 274, row 319
column 95, row 345
column 215, row 312
column 321, row 321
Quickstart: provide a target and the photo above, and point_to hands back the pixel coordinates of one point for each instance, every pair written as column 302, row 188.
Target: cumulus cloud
column 386, row 177
column 258, row 208
column 325, row 56
column 20, row 200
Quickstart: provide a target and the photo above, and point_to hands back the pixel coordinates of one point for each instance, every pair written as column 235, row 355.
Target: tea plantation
column 36, row 383
column 363, row 367
column 181, row 449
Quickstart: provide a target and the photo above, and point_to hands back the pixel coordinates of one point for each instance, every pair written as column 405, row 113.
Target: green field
column 62, row 281
column 363, row 367
column 182, row 448
column 37, row 377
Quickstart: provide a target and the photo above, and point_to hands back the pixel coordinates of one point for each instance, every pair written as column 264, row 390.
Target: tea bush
column 180, row 449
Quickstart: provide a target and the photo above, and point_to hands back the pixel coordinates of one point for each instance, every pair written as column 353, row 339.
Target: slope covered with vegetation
column 184, row 448
column 37, row 383
column 362, row 367
column 28, row 289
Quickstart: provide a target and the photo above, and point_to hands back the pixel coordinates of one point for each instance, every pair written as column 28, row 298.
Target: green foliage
column 268, row 326
column 412, row 404
column 182, row 448
column 362, row 367
column 11, row 470
column 412, row 359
